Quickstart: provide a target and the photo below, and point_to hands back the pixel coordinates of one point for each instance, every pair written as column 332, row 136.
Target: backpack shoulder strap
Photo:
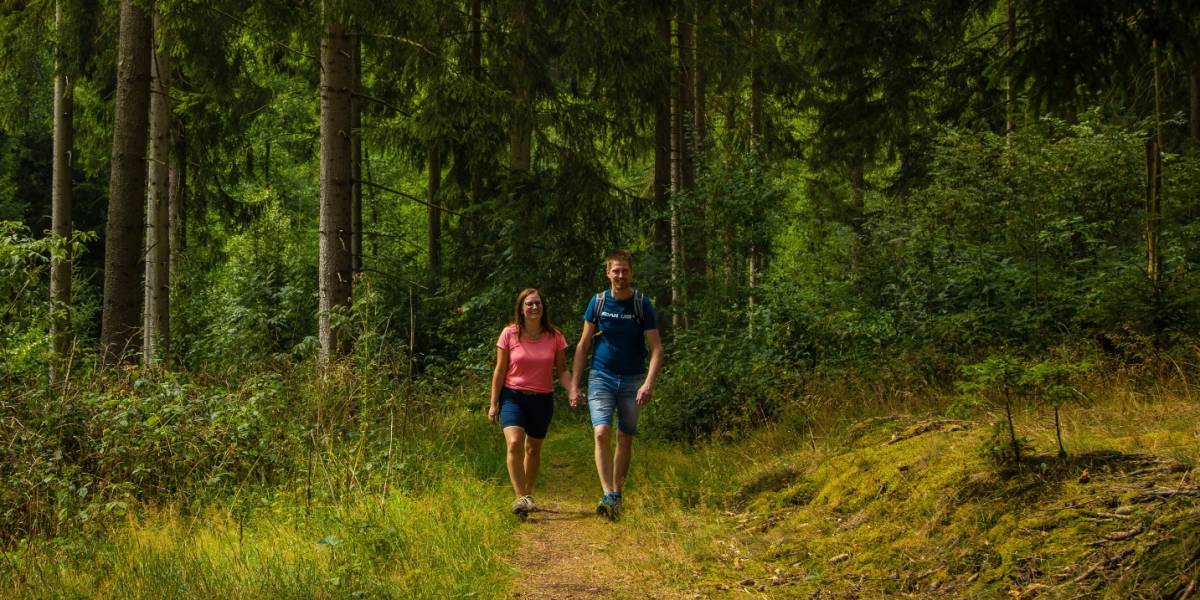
column 596, row 310
column 638, row 309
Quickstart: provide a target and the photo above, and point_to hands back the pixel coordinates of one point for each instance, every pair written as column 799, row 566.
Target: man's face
column 620, row 274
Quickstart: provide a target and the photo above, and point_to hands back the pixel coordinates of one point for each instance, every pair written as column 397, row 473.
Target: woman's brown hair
column 519, row 316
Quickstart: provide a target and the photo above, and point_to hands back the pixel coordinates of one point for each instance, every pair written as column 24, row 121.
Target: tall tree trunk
column 699, row 80
column 335, row 261
column 435, row 213
column 356, row 227
column 61, row 223
column 122, row 305
column 676, row 236
column 156, row 324
column 175, row 202
column 1154, row 178
column 521, row 127
column 697, row 234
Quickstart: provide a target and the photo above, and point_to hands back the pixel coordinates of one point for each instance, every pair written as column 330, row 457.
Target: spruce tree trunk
column 435, row 213
column 696, row 230
column 662, row 135
column 676, row 236
column 334, row 252
column 356, row 221
column 1154, row 179
column 857, row 210
column 61, row 221
column 156, row 324
column 122, row 305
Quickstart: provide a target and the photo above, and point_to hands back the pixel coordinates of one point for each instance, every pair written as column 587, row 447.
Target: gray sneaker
column 533, row 507
column 522, row 506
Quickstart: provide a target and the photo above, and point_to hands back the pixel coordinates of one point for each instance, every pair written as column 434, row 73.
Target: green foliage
column 716, row 382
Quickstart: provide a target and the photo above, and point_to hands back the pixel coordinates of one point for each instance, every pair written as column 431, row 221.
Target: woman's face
column 531, row 308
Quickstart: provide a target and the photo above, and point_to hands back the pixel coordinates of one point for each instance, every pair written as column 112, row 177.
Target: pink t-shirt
column 530, row 362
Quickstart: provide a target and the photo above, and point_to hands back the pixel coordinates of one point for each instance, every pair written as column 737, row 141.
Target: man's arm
column 654, row 341
column 581, row 351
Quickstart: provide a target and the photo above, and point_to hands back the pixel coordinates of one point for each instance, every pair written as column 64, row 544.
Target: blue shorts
column 608, row 392
column 530, row 411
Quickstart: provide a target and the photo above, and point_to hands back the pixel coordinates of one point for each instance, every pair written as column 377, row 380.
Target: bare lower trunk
column 61, row 223
column 857, row 209
column 156, row 323
column 662, row 137
column 122, row 304
column 676, row 237
column 1154, row 179
column 335, row 261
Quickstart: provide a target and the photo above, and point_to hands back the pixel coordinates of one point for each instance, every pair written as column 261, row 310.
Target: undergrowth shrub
column 715, row 383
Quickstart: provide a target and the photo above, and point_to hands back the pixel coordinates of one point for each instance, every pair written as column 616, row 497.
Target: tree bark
column 676, row 237
column 435, row 213
column 61, row 220
column 687, row 106
column 1154, row 178
column 356, row 221
column 697, row 246
column 122, row 310
column 857, row 210
column 335, row 261
column 521, row 127
column 156, row 325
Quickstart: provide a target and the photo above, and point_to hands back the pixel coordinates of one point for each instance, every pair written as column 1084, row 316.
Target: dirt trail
column 568, row 552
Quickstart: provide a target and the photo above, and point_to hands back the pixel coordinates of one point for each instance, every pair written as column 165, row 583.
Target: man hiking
column 620, row 320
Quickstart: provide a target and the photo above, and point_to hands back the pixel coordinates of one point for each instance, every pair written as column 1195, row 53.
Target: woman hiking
column 529, row 353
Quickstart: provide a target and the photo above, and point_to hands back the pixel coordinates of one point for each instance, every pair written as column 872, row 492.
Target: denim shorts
column 608, row 392
column 528, row 410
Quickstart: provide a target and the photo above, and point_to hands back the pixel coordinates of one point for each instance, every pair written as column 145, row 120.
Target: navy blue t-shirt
column 621, row 347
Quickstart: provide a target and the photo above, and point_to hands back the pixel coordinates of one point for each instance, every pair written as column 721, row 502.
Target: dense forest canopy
column 864, row 178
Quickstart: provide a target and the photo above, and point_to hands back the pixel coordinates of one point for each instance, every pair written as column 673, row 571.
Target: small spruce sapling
column 994, row 381
column 1052, row 382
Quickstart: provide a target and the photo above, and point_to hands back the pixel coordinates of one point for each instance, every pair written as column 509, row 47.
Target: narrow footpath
column 566, row 551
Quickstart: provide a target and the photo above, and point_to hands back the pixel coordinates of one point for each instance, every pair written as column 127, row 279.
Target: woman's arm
column 497, row 383
column 560, row 367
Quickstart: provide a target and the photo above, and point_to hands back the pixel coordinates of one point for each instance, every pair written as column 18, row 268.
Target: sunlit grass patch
column 449, row 542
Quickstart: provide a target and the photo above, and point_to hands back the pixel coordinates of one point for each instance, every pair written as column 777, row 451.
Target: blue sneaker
column 610, row 506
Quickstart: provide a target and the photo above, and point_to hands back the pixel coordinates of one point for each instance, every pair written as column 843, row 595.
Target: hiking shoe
column 522, row 506
column 609, row 506
column 533, row 507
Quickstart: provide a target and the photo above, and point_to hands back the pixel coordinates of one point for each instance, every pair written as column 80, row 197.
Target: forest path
column 566, row 551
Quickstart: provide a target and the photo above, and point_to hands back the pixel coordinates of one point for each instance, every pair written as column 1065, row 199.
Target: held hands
column 494, row 414
column 575, row 397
